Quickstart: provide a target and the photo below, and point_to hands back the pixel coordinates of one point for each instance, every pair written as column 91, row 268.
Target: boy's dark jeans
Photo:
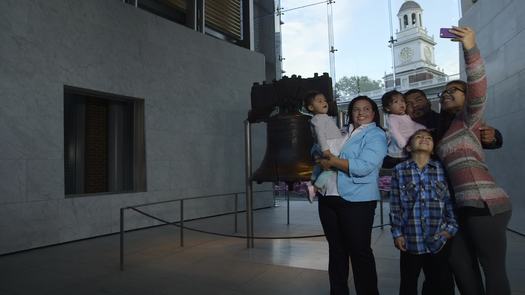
column 438, row 276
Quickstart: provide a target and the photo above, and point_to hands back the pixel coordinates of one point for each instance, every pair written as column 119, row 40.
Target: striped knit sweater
column 460, row 148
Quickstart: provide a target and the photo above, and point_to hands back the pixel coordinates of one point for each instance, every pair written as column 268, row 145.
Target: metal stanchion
column 275, row 193
column 249, row 188
column 236, row 209
column 121, row 239
column 252, row 239
column 384, row 172
column 381, row 208
column 182, row 223
column 288, row 206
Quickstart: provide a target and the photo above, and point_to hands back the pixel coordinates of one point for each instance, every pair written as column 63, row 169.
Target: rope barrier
column 516, row 232
column 261, row 237
column 180, row 224
column 230, row 235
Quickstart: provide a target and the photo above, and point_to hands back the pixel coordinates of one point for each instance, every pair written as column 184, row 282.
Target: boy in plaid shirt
column 422, row 218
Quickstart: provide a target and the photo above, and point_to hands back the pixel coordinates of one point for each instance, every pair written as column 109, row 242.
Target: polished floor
column 155, row 263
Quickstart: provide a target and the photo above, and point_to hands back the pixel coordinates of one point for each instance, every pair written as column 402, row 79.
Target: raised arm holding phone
column 483, row 208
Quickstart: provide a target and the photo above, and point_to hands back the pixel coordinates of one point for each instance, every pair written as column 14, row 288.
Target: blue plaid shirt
column 421, row 207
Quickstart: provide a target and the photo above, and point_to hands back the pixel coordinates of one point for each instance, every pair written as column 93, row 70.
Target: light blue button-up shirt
column 365, row 150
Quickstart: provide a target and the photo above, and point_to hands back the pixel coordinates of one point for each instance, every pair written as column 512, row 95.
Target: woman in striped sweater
column 483, row 208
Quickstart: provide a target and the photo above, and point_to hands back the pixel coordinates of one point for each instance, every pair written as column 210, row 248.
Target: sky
column 361, row 34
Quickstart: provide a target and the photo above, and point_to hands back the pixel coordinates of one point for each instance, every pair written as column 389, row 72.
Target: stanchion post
column 287, row 205
column 181, row 223
column 249, row 188
column 251, row 216
column 381, row 208
column 121, row 239
column 236, row 209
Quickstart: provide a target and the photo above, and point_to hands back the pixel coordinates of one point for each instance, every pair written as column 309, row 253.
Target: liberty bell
column 288, row 144
column 289, row 137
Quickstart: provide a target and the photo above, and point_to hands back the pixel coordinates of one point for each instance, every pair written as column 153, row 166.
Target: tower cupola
column 409, row 15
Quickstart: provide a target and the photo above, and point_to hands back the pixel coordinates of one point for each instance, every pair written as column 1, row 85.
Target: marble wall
column 196, row 91
column 500, row 28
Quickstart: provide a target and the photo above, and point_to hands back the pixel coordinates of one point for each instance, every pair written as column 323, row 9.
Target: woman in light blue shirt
column 348, row 207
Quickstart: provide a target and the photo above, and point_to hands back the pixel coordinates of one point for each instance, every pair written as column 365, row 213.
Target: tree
column 356, row 84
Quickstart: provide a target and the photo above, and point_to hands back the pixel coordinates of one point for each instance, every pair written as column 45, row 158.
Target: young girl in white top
column 326, row 133
column 399, row 127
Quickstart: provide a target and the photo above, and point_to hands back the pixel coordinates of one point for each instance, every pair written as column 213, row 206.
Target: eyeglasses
column 450, row 91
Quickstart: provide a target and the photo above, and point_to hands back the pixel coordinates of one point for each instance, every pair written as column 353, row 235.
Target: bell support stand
column 249, row 187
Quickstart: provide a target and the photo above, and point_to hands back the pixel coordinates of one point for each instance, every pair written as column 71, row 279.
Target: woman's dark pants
column 348, row 229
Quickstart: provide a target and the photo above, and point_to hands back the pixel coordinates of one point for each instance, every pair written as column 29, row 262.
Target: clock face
column 406, row 54
column 428, row 54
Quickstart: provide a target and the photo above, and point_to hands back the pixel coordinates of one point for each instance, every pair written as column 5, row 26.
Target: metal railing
column 180, row 222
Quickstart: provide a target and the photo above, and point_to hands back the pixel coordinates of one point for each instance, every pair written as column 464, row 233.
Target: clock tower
column 413, row 58
column 414, row 50
column 414, row 47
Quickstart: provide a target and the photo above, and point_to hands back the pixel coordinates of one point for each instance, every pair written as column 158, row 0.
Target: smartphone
column 444, row 33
